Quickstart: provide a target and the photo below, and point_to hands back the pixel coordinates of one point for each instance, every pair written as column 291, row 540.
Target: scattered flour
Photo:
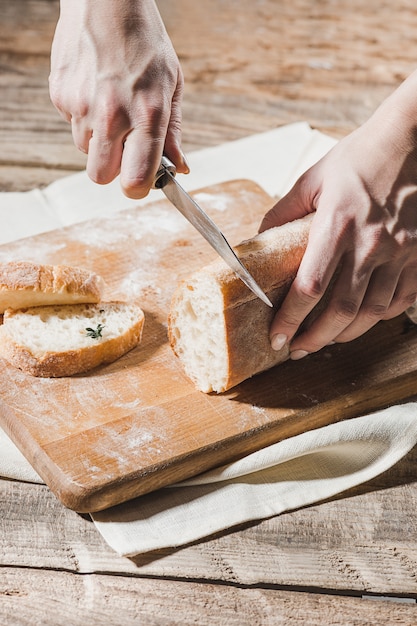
column 216, row 202
column 133, row 224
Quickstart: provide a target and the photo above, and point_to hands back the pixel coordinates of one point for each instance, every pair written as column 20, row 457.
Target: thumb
column 297, row 203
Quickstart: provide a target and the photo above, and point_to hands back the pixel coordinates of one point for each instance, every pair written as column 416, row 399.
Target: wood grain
column 361, row 543
column 330, row 63
column 43, row 598
column 249, row 66
column 139, row 424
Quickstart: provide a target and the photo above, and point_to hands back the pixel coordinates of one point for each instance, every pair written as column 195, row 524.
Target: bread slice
column 23, row 283
column 62, row 340
column 218, row 328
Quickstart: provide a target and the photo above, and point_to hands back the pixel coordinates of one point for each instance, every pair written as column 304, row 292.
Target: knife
column 166, row 181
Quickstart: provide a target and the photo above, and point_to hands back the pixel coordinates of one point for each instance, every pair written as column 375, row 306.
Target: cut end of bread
column 196, row 330
column 56, row 341
column 218, row 328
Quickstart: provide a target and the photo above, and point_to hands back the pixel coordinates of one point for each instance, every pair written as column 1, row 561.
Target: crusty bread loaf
column 62, row 340
column 23, row 283
column 218, row 328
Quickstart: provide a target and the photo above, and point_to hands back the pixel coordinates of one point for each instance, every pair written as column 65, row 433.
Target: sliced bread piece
column 218, row 328
column 53, row 341
column 23, row 283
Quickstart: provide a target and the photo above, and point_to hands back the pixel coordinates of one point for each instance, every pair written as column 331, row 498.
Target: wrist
column 396, row 117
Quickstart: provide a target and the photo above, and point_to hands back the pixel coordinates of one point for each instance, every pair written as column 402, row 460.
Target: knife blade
column 166, row 181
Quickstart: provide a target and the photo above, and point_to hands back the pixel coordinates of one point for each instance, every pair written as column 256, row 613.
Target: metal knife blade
column 165, row 180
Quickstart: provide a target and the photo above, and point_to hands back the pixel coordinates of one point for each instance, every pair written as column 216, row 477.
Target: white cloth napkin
column 293, row 473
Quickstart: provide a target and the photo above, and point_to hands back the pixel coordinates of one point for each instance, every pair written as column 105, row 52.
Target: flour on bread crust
column 23, row 283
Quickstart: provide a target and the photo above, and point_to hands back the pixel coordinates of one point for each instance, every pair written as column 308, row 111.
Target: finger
column 346, row 297
column 316, row 269
column 143, row 151
column 59, row 101
column 106, row 145
column 376, row 302
column 297, row 203
column 104, row 156
column 81, row 134
column 172, row 147
column 405, row 293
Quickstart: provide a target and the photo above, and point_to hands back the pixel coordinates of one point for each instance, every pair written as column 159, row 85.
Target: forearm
column 393, row 126
column 104, row 25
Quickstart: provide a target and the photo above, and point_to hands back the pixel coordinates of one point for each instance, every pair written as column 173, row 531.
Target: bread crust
column 273, row 259
column 24, row 284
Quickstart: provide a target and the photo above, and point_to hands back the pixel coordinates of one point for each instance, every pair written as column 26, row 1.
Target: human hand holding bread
column 363, row 194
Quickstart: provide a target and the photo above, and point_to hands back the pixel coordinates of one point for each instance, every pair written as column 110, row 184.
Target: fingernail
column 184, row 159
column 278, row 341
column 298, row 354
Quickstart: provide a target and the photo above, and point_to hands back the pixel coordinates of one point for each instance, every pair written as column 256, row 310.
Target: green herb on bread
column 95, row 334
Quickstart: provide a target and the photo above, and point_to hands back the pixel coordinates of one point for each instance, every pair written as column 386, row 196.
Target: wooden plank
column 24, row 178
column 273, row 64
column 327, row 64
column 139, row 424
column 361, row 542
column 28, row 597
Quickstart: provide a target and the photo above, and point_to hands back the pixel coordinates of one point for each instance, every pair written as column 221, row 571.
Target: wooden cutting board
column 139, row 424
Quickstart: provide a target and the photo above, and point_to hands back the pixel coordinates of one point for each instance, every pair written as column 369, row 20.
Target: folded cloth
column 285, row 476
column 13, row 464
column 293, row 473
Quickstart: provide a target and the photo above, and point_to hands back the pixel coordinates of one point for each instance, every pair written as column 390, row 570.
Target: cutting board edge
column 86, row 500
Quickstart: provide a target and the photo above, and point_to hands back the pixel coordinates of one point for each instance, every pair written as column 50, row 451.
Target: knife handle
column 160, row 179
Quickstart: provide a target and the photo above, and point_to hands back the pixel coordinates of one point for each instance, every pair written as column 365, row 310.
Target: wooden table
column 250, row 65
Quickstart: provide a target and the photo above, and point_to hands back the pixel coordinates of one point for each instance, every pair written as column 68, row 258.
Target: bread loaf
column 218, row 328
column 62, row 340
column 23, row 283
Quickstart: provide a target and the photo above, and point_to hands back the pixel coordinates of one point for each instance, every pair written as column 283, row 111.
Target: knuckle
column 153, row 119
column 56, row 96
column 111, row 119
column 404, row 300
column 156, row 70
column 75, row 105
column 378, row 246
column 137, row 186
column 309, row 289
column 135, row 192
column 345, row 310
column 100, row 177
column 154, row 115
column 404, row 240
column 410, row 299
column 289, row 320
column 375, row 311
column 175, row 125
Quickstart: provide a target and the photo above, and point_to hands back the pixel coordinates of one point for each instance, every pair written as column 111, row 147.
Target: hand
column 116, row 78
column 364, row 194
